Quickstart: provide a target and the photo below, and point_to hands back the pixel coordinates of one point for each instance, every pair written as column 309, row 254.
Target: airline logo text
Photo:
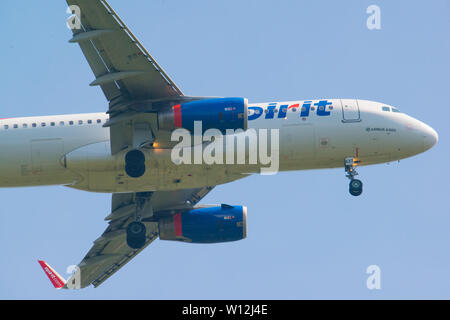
column 322, row 108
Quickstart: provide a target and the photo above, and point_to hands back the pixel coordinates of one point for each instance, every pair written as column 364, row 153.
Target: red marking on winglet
column 177, row 115
column 57, row 281
column 178, row 225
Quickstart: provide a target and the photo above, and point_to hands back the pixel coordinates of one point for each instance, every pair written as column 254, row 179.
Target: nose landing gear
column 355, row 186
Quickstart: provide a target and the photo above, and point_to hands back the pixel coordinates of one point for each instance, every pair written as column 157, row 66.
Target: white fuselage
column 74, row 150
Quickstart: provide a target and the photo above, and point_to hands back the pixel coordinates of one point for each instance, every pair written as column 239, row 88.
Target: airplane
column 128, row 150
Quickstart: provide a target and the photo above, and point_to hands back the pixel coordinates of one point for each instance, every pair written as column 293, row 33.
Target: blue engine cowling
column 206, row 225
column 217, row 113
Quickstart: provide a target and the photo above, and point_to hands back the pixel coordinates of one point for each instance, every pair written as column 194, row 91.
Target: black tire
column 355, row 187
column 135, row 163
column 135, row 171
column 136, row 233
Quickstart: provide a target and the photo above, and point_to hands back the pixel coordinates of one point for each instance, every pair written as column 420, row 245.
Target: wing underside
column 110, row 251
column 123, row 68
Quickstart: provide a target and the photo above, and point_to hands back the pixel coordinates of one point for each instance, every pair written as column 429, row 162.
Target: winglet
column 57, row 281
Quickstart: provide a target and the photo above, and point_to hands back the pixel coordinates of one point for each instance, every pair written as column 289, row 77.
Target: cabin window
column 34, row 125
column 89, row 121
column 80, row 122
column 61, row 123
column 395, row 110
column 52, row 124
column 6, row 126
column 99, row 121
column 43, row 124
column 25, row 125
column 15, row 126
column 386, row 109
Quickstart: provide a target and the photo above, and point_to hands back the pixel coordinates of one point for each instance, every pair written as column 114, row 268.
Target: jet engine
column 217, row 113
column 206, row 225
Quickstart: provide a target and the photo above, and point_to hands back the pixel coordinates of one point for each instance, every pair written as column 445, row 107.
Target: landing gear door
column 350, row 110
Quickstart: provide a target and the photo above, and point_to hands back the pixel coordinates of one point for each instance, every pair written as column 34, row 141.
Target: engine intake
column 206, row 225
column 218, row 113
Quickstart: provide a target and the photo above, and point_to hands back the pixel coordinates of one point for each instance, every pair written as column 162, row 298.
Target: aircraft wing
column 122, row 66
column 110, row 251
column 131, row 79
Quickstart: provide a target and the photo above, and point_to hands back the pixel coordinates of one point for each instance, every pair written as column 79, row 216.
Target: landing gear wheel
column 136, row 232
column 355, row 187
column 135, row 163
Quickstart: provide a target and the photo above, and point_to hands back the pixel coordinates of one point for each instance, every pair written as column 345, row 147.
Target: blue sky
column 307, row 237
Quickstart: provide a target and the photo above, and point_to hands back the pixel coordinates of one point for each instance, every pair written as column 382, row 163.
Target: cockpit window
column 395, row 110
column 386, row 109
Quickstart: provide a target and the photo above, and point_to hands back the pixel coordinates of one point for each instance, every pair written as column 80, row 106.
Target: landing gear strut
column 136, row 230
column 355, row 186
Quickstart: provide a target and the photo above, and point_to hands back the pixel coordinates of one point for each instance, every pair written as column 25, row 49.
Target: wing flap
column 110, row 90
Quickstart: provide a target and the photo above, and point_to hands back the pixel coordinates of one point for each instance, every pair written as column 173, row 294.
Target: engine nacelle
column 218, row 113
column 206, row 225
